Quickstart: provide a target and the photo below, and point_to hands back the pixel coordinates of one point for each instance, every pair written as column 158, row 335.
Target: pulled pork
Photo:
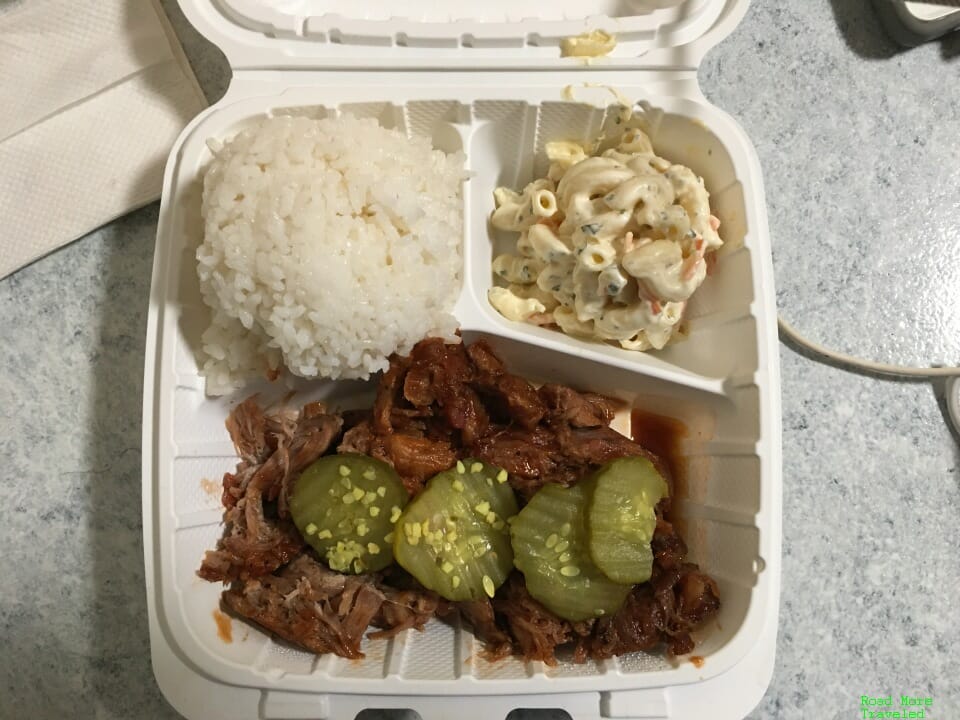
column 441, row 403
column 677, row 599
column 274, row 450
column 448, row 401
column 325, row 611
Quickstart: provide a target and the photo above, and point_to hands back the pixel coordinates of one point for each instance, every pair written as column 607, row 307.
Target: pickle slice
column 454, row 537
column 550, row 548
column 345, row 507
column 621, row 518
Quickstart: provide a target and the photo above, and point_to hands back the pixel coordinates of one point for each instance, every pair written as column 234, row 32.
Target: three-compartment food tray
column 485, row 78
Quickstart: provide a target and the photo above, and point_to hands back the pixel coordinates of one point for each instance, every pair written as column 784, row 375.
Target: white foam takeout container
column 486, row 78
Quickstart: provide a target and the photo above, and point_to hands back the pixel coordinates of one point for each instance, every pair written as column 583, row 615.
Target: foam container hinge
column 509, row 34
column 722, row 382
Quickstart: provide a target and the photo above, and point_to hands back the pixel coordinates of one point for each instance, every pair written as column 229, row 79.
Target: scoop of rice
column 328, row 245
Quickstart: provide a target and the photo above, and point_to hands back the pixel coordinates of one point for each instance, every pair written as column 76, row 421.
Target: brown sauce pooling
column 224, row 626
column 662, row 436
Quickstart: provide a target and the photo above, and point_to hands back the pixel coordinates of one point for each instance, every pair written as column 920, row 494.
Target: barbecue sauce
column 662, row 436
column 224, row 626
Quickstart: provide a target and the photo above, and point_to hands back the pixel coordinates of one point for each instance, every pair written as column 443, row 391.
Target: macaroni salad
column 611, row 246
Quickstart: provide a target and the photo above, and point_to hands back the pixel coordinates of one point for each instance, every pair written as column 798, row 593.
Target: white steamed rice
column 328, row 245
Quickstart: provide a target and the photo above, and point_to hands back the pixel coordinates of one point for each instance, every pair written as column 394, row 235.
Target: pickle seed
column 488, row 586
column 324, row 534
column 460, row 467
column 369, row 474
column 458, row 486
column 310, row 529
column 382, row 490
column 456, row 581
column 345, row 554
column 561, row 546
column 395, row 513
column 447, row 567
column 373, row 548
column 569, row 571
column 358, row 493
column 482, row 508
column 476, row 467
column 552, row 540
column 344, row 471
column 348, row 499
column 374, row 511
column 502, row 477
column 565, row 557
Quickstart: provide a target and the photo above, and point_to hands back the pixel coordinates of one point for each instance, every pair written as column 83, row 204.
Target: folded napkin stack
column 93, row 94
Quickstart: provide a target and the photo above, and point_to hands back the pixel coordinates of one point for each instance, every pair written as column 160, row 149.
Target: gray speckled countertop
column 860, row 146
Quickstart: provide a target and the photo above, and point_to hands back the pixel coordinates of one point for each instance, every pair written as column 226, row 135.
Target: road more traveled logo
column 902, row 706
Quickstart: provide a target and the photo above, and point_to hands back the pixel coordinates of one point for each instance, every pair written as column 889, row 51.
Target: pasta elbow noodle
column 532, row 292
column 517, row 269
column 635, row 141
column 544, row 203
column 515, row 211
column 612, row 281
column 611, row 245
column 513, row 307
column 598, row 256
column 545, row 243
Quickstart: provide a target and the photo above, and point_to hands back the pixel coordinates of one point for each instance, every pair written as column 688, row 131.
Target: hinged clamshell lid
column 460, row 34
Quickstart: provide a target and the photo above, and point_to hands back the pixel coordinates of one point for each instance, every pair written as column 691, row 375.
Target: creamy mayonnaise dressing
column 611, row 246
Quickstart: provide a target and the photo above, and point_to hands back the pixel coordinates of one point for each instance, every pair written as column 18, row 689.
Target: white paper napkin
column 93, row 94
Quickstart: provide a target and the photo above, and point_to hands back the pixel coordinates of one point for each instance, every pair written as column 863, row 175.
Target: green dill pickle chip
column 454, row 536
column 550, row 541
column 345, row 506
column 621, row 518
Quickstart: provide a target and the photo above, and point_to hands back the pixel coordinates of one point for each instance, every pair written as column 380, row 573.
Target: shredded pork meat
column 446, row 401
column 324, row 611
column 273, row 450
column 441, row 403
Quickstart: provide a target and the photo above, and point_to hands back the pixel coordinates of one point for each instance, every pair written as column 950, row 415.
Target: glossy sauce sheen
column 662, row 436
